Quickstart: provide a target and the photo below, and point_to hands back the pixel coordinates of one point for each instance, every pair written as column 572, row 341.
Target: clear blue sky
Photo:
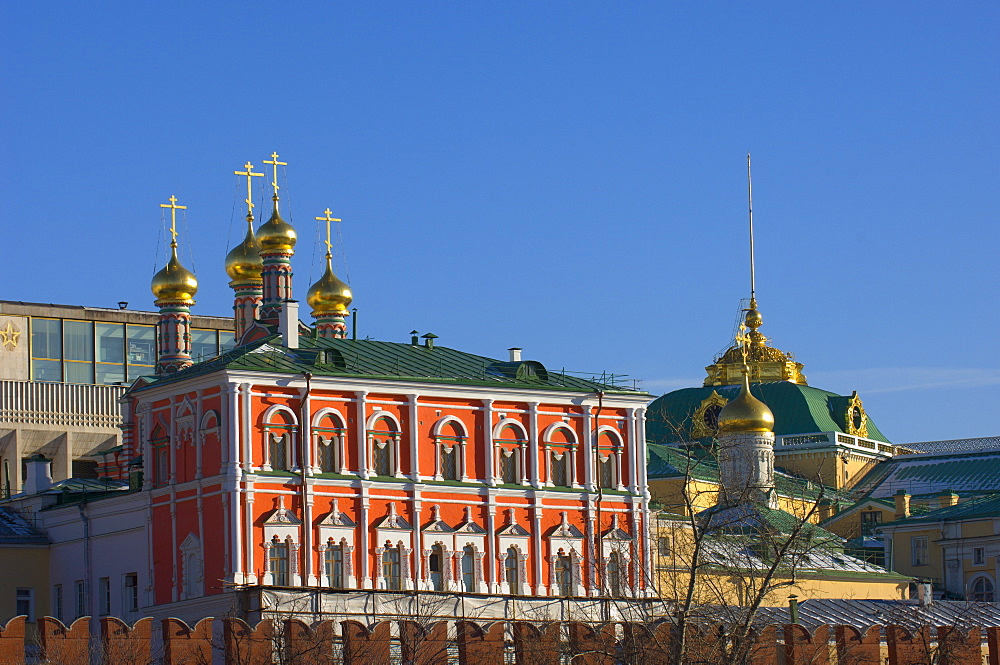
column 565, row 177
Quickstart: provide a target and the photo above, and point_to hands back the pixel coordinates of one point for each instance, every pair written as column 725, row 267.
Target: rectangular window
column 131, row 586
column 203, row 344
column 663, row 546
column 80, row 591
column 104, row 595
column 46, row 349
column 279, row 564
column 978, row 555
column 390, row 569
column 227, row 340
column 110, row 353
column 335, row 566
column 25, row 600
column 57, row 602
column 78, row 347
column 869, row 521
column 141, row 350
column 918, row 550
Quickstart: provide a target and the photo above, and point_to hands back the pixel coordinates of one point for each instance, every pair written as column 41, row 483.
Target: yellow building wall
column 23, row 568
column 849, row 526
column 902, row 554
column 701, row 495
column 673, row 577
column 827, row 467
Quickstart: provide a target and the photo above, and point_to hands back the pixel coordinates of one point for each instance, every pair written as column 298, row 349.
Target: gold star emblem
column 8, row 336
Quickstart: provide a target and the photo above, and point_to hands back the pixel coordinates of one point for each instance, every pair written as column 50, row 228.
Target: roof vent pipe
column 288, row 324
column 414, row 339
column 515, row 354
column 429, row 340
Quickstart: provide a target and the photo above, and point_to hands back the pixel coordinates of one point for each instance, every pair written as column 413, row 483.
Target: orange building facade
column 359, row 484
column 303, row 459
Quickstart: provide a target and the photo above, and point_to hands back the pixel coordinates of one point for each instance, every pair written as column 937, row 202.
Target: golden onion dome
column 243, row 263
column 174, row 281
column 746, row 413
column 329, row 294
column 276, row 233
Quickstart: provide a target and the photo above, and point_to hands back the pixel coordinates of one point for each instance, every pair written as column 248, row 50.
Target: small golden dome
column 746, row 413
column 174, row 282
column 243, row 263
column 329, row 294
column 276, row 233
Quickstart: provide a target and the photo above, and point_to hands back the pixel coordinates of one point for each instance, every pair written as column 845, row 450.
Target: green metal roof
column 929, row 473
column 664, row 462
column 797, row 409
column 389, row 361
column 985, row 506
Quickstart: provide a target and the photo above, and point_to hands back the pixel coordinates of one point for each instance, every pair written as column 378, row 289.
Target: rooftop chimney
column 429, row 340
column 515, row 354
column 288, row 324
column 414, row 338
column 947, row 499
column 925, row 594
column 39, row 474
column 902, row 500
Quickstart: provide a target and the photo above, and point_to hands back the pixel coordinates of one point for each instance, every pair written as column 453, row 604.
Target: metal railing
column 60, row 404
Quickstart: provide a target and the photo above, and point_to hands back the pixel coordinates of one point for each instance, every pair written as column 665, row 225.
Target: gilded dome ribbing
column 329, row 294
column 276, row 233
column 746, row 413
column 243, row 263
column 174, row 281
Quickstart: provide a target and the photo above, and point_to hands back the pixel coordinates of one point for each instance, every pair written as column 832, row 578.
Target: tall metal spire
column 753, row 284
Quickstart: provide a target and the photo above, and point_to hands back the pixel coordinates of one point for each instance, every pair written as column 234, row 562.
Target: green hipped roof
column 797, row 409
column 665, row 462
column 388, row 361
column 967, row 473
column 985, row 506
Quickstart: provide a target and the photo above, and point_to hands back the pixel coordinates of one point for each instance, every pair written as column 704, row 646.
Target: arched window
column 564, row 573
column 511, row 570
column 609, row 448
column 278, row 562
column 391, row 568
column 436, row 564
column 560, row 444
column 279, row 434
column 469, row 569
column 982, row 589
column 509, row 444
column 329, row 433
column 449, row 441
column 384, row 439
column 333, row 561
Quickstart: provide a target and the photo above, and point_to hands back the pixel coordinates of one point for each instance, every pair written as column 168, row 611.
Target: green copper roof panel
column 797, row 409
column 963, row 473
column 389, row 361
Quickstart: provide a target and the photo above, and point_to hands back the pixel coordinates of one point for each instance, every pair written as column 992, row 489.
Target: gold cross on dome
column 173, row 217
column 328, row 219
column 249, row 175
column 275, row 164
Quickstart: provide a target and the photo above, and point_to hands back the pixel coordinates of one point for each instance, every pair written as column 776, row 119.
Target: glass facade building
column 106, row 353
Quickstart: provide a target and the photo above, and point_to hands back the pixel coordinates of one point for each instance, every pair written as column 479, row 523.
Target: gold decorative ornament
column 746, row 413
column 855, row 418
column 174, row 282
column 705, row 421
column 243, row 263
column 9, row 335
column 276, row 234
column 329, row 294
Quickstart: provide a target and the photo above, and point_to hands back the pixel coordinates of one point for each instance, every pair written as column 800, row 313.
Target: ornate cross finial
column 275, row 164
column 744, row 341
column 249, row 176
column 173, row 218
column 328, row 219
